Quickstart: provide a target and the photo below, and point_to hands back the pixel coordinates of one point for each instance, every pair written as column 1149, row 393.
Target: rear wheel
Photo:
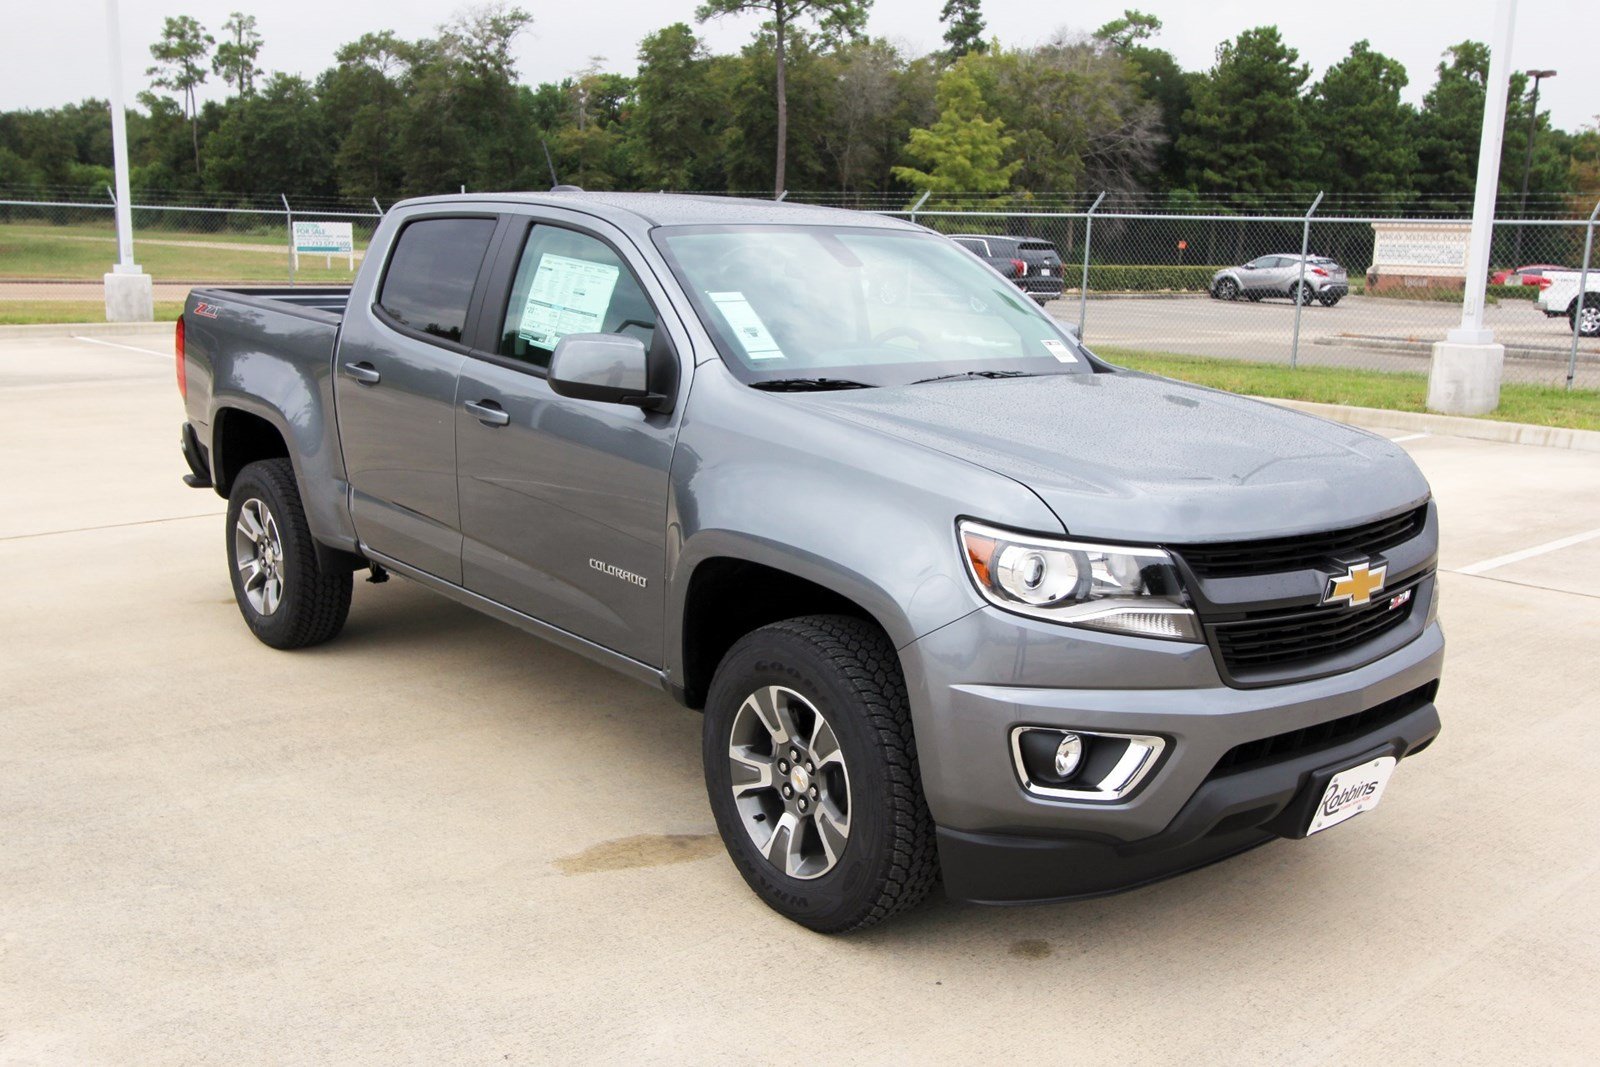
column 1587, row 319
column 287, row 600
column 1305, row 294
column 811, row 770
column 1328, row 299
column 1227, row 289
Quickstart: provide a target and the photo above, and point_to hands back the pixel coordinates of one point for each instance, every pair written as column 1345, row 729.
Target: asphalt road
column 439, row 840
column 1372, row 333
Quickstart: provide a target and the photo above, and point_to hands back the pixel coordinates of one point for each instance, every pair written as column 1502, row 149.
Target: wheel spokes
column 757, row 768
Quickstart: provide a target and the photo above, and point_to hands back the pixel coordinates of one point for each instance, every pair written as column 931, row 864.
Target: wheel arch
column 732, row 590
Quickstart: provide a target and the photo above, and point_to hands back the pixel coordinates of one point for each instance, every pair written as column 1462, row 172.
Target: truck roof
column 679, row 209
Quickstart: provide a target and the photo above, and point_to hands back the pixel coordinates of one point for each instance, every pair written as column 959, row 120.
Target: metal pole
column 1300, row 286
column 1527, row 165
column 923, row 199
column 780, row 196
column 119, row 147
column 1083, row 288
column 289, row 218
column 1583, row 295
column 1471, row 330
column 377, row 206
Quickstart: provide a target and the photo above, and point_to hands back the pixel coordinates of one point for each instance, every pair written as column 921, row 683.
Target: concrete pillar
column 1465, row 378
column 130, row 296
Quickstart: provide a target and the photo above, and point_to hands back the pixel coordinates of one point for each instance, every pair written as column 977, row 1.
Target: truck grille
column 1286, row 746
column 1232, row 559
column 1293, row 639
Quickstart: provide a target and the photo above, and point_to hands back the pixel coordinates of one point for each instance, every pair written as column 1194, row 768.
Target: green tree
column 235, row 59
column 678, row 112
column 1075, row 112
column 1167, row 85
column 274, row 141
column 1364, row 130
column 180, row 67
column 834, row 19
column 1246, row 132
column 749, row 140
column 963, row 27
column 1133, row 28
column 366, row 90
column 862, row 135
column 963, row 151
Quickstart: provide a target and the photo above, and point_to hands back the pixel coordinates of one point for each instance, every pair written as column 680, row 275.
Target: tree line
column 809, row 103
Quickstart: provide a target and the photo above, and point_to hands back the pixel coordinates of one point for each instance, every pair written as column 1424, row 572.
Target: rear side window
column 569, row 282
column 972, row 246
column 431, row 274
column 1036, row 246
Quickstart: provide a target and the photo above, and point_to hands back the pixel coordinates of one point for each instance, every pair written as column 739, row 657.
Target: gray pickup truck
column 958, row 598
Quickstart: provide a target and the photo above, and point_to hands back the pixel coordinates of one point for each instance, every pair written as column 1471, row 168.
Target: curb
column 1423, row 348
column 46, row 330
column 1511, row 433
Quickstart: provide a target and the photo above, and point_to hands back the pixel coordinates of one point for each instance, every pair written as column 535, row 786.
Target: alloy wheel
column 258, row 554
column 790, row 783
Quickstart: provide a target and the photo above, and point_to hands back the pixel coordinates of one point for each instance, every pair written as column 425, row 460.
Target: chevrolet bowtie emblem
column 1356, row 586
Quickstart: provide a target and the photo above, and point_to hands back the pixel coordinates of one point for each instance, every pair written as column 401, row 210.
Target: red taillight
column 1018, row 268
column 1319, row 272
column 183, row 371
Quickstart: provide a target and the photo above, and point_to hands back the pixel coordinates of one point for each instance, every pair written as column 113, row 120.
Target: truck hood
column 1133, row 457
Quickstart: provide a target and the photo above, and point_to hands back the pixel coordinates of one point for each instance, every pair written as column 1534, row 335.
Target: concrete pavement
column 439, row 840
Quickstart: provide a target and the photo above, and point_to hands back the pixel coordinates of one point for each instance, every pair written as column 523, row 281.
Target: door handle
column 365, row 373
column 487, row 412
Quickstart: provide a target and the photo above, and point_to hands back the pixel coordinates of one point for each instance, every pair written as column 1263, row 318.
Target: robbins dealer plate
column 1352, row 791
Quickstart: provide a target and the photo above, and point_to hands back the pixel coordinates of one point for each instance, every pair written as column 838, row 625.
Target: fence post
column 377, row 206
column 1083, row 288
column 923, row 199
column 289, row 219
column 1583, row 295
column 1300, row 286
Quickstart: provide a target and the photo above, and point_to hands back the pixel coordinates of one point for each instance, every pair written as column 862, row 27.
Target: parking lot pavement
column 439, row 840
column 1370, row 333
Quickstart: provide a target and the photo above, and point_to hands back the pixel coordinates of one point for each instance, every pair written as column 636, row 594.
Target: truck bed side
column 259, row 368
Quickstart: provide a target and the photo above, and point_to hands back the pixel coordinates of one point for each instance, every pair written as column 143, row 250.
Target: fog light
column 1069, row 753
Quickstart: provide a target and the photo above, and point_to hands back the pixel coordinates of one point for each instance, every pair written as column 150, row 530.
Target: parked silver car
column 1277, row 275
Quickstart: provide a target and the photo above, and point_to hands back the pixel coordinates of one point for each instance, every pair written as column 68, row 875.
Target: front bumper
column 1001, row 843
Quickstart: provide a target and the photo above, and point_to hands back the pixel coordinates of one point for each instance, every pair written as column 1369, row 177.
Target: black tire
column 313, row 603
column 1590, row 323
column 849, row 671
column 1226, row 289
column 1306, row 296
column 1327, row 300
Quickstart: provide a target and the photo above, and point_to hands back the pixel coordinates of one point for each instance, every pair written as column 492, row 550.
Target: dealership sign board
column 326, row 239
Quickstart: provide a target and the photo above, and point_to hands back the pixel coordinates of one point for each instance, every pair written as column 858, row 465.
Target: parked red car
column 1532, row 274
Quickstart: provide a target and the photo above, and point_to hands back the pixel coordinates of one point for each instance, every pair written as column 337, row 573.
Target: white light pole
column 129, row 293
column 1467, row 364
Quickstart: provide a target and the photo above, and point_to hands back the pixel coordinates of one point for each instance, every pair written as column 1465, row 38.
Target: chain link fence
column 54, row 252
column 1375, row 290
column 1371, row 293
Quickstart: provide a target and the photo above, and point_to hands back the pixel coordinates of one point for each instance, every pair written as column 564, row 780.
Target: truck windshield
column 859, row 306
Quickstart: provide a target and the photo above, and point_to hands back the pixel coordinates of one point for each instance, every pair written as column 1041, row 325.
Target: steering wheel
column 894, row 333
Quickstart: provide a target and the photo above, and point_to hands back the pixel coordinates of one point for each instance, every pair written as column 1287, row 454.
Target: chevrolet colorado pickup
column 957, row 597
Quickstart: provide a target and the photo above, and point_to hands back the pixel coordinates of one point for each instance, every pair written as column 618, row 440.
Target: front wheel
column 287, row 600
column 811, row 770
column 1226, row 289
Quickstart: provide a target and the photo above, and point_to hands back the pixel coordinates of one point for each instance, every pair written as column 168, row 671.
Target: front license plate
column 1352, row 791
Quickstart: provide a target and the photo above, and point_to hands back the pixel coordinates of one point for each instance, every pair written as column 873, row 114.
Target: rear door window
column 569, row 282
column 973, row 245
column 432, row 273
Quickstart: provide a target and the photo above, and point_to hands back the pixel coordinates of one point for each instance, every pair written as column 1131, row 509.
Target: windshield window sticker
column 746, row 325
column 1059, row 350
column 567, row 296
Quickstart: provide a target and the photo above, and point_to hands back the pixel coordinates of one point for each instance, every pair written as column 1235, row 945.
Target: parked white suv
column 1560, row 298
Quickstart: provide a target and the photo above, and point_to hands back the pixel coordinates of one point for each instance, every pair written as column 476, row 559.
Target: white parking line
column 1528, row 553
column 130, row 348
column 1410, row 437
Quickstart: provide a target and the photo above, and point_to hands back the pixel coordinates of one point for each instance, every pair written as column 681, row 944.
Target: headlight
column 1120, row 588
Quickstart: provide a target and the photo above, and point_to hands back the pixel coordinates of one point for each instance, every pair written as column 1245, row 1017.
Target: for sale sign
column 326, row 239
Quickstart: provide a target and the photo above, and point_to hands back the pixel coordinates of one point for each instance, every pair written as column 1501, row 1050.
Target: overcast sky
column 54, row 53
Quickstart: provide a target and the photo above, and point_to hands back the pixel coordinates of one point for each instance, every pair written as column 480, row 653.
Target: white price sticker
column 746, row 325
column 1059, row 350
column 567, row 296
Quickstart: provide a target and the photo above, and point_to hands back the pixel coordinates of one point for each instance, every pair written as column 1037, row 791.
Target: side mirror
column 1249, row 266
column 608, row 368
